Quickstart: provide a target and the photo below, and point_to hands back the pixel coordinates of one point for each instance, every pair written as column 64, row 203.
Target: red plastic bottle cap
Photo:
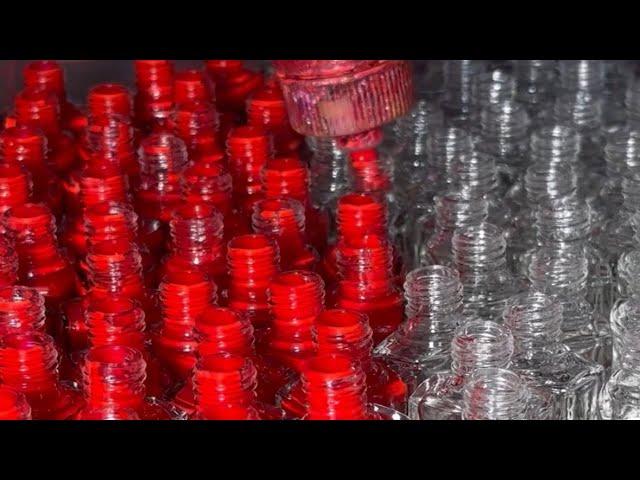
column 332, row 98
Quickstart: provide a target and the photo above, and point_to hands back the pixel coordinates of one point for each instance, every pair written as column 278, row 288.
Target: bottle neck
column 338, row 331
column 563, row 220
column 249, row 148
column 582, row 75
column 220, row 330
column 110, row 222
column 335, row 389
column 109, row 99
column 13, row 405
column 284, row 220
column 225, row 387
column 480, row 344
column 535, row 321
column 360, row 214
column 365, row 268
column 15, row 187
column 494, row 394
column 115, row 321
column 8, row 265
column 115, row 266
column 184, row 296
column 478, row 251
column 431, row 292
column 114, row 376
column 560, row 270
column 21, row 310
column 197, row 233
column 445, row 147
column 475, row 174
column 456, row 210
column 504, row 131
column 548, row 182
column 286, row 177
column 209, row 184
column 555, row 144
column 328, row 169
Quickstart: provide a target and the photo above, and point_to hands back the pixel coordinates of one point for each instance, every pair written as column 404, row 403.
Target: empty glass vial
column 535, row 84
column 453, row 210
column 620, row 398
column 476, row 344
column 561, row 271
column 500, row 394
column 504, row 136
column 572, row 382
column 458, row 81
column 489, row 88
column 479, row 255
column 420, row 346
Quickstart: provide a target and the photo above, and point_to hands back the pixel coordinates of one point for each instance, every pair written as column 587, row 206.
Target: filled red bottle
column 249, row 149
column 366, row 283
column 110, row 139
column 113, row 385
column 196, row 124
column 15, row 186
column 197, row 236
column 13, row 405
column 29, row 364
column 109, row 99
column 183, row 297
column 253, row 261
column 234, row 84
column 283, row 220
column 48, row 75
column 266, row 108
column 287, row 176
column 42, row 264
column 345, row 332
column 39, row 108
column 153, row 102
column 21, row 310
column 193, row 86
column 161, row 188
column 27, row 147
column 211, row 184
column 225, row 389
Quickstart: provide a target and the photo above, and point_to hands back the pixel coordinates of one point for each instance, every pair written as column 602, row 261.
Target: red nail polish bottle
column 113, row 384
column 287, row 176
column 41, row 264
column 13, row 405
column 266, row 108
column 234, row 84
column 161, row 188
column 283, row 220
column 197, row 125
column 48, row 75
column 109, row 99
column 335, row 388
column 21, row 310
column 197, row 243
column 253, row 261
column 8, row 264
column 15, row 187
column 110, row 139
column 27, row 147
column 222, row 330
column 38, row 108
column 193, row 86
column 248, row 148
column 296, row 299
column 29, row 364
column 366, row 283
column 182, row 296
column 153, row 102
column 225, row 389
column 345, row 332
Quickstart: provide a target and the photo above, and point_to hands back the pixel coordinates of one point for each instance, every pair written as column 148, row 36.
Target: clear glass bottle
column 622, row 156
column 476, row 344
column 458, row 80
column 490, row 88
column 535, row 80
column 572, row 382
column 620, row 398
column 500, row 394
column 479, row 255
column 561, row 271
column 421, row 345
column 454, row 210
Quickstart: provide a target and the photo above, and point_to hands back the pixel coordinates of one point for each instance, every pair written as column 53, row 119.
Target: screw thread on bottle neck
column 29, row 363
column 560, row 270
column 535, row 80
column 286, row 177
column 115, row 321
column 100, row 184
column 504, row 131
column 335, row 388
column 283, row 220
column 535, row 320
column 581, row 109
column 494, row 394
column 479, row 344
column 582, row 75
column 328, row 168
column 555, row 144
column 15, row 186
column 26, row 146
column 115, row 267
column 225, row 387
column 478, row 251
column 253, row 261
column 210, row 184
column 183, row 296
column 40, row 109
column 21, row 310
column 108, row 99
column 365, row 268
column 192, row 121
column 296, row 299
column 13, row 405
column 113, row 376
column 414, row 130
column 233, row 83
column 249, row 148
column 490, row 88
column 360, row 214
column 563, row 220
column 432, row 291
column 109, row 141
column 445, row 146
column 220, row 330
column 456, row 210
column 544, row 182
column 458, row 78
column 196, row 231
column 46, row 74
column 345, row 332
column 110, row 221
column 475, row 174
column 622, row 154
column 192, row 86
